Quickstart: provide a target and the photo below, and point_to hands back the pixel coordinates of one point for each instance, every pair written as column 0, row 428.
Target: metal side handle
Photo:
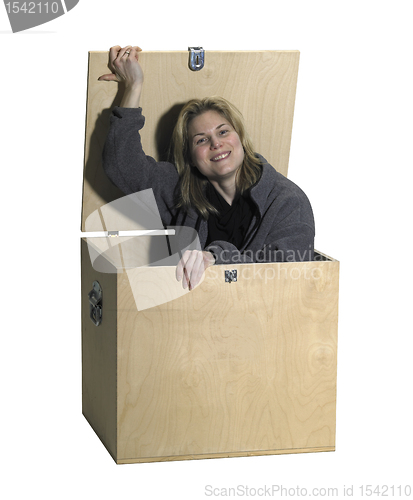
column 95, row 303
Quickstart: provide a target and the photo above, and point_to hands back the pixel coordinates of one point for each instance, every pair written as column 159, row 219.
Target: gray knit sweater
column 281, row 230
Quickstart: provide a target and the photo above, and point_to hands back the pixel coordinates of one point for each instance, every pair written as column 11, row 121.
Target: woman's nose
column 215, row 142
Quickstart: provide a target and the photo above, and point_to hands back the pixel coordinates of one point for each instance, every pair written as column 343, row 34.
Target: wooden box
column 235, row 367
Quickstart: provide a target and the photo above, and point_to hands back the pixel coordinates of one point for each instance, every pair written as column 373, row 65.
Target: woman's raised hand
column 123, row 62
column 192, row 266
column 125, row 67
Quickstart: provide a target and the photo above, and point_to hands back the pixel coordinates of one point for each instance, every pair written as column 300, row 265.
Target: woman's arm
column 126, row 164
column 124, row 160
column 125, row 67
column 294, row 243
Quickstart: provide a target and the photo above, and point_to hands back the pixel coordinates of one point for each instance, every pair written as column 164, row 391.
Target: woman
column 243, row 210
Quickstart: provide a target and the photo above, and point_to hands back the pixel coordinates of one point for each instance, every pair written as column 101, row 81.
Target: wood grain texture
column 262, row 84
column 225, row 455
column 127, row 252
column 99, row 355
column 236, row 368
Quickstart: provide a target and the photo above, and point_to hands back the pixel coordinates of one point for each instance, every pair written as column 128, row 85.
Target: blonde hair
column 192, row 182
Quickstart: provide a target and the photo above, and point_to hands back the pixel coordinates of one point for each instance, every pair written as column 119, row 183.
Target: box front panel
column 230, row 368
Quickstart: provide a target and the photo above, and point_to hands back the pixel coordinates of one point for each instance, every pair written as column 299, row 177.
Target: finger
column 181, row 265
column 209, row 259
column 192, row 268
column 185, row 268
column 198, row 270
column 185, row 280
column 124, row 52
column 187, row 271
column 114, row 50
column 113, row 53
column 110, row 77
column 134, row 52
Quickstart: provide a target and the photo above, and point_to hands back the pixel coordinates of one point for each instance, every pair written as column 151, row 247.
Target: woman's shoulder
column 272, row 180
column 278, row 191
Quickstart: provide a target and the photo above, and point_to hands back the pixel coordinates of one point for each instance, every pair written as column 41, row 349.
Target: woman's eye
column 200, row 141
column 223, row 132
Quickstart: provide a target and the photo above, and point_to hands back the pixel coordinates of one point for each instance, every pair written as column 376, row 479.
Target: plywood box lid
column 261, row 84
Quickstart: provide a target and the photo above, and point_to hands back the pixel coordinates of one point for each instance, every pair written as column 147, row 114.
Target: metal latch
column 95, row 303
column 230, row 276
column 196, row 58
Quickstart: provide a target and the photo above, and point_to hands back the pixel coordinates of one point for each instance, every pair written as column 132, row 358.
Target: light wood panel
column 99, row 355
column 262, row 84
column 229, row 369
column 203, row 456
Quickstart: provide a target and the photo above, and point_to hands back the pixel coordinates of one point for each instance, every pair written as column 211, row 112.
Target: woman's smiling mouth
column 221, row 156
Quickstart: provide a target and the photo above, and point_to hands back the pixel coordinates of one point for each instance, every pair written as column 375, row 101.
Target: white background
column 351, row 152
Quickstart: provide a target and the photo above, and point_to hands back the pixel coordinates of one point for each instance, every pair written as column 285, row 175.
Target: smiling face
column 215, row 146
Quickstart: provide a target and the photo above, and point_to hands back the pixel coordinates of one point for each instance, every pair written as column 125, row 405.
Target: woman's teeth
column 220, row 157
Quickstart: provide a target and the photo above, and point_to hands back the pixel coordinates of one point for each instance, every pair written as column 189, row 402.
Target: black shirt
column 233, row 221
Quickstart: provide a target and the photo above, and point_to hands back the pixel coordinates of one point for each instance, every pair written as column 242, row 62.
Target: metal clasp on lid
column 230, row 276
column 196, row 58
